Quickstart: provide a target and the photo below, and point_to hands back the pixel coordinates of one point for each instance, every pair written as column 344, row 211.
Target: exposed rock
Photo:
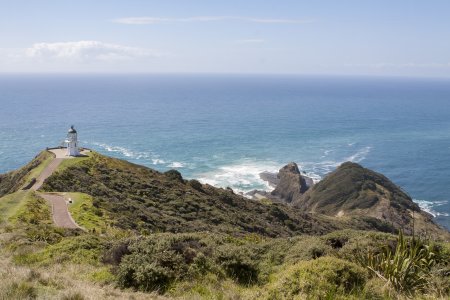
column 271, row 178
column 291, row 183
column 257, row 195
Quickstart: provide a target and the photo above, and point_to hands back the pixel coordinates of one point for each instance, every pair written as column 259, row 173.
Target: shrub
column 44, row 233
column 115, row 252
column 156, row 261
column 84, row 249
column 195, row 184
column 237, row 263
column 307, row 248
column 322, row 278
column 174, row 175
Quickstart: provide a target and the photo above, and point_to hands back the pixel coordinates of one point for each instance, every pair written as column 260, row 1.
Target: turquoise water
column 225, row 130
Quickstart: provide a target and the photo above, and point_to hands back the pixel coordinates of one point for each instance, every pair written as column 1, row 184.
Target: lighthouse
column 72, row 142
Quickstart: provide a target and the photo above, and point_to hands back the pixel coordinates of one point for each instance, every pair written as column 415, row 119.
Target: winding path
column 52, row 166
column 60, row 211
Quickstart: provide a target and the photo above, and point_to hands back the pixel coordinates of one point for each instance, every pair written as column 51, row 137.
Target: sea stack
column 291, row 183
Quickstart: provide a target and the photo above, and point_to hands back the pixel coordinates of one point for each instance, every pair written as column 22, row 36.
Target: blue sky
column 406, row 38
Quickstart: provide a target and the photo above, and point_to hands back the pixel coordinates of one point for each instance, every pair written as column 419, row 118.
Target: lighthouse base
column 72, row 151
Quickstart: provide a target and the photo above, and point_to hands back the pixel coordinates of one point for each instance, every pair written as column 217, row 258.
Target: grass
column 86, row 214
column 34, row 211
column 57, row 282
column 12, row 204
column 67, row 163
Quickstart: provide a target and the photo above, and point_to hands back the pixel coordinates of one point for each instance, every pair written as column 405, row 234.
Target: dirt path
column 60, row 211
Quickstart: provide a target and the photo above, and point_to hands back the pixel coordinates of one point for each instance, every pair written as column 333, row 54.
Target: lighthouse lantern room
column 72, row 142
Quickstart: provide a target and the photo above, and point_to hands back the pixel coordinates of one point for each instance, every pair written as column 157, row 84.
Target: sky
column 381, row 38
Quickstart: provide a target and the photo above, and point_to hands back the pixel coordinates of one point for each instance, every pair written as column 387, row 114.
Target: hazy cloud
column 85, row 51
column 159, row 20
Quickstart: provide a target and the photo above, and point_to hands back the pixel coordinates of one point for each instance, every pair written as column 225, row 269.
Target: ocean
column 226, row 129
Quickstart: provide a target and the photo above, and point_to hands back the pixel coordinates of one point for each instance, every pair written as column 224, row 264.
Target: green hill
column 352, row 191
column 152, row 235
column 142, row 199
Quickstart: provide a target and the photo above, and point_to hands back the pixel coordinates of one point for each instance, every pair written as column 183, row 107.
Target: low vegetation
column 85, row 214
column 13, row 181
column 408, row 267
column 156, row 236
column 354, row 191
column 141, row 199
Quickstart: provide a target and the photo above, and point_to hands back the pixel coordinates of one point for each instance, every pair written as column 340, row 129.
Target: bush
column 237, row 263
column 195, row 184
column 115, row 252
column 156, row 261
column 174, row 175
column 323, row 278
column 307, row 248
column 84, row 249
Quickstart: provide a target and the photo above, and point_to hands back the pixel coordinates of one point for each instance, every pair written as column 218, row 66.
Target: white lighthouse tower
column 72, row 142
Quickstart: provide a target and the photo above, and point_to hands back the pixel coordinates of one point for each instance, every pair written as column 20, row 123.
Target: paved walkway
column 52, row 166
column 60, row 211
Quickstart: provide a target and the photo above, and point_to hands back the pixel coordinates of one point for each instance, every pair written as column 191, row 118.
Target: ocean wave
column 241, row 177
column 316, row 170
column 360, row 155
column 128, row 153
column 176, row 164
column 245, row 176
column 122, row 150
column 157, row 161
column 430, row 207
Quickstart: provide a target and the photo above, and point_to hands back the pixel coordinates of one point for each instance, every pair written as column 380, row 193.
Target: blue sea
column 226, row 129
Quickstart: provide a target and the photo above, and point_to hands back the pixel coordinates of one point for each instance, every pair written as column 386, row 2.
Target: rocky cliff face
column 291, row 184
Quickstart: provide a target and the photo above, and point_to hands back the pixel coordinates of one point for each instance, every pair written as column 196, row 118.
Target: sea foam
column 430, row 207
column 128, row 153
column 244, row 176
column 241, row 176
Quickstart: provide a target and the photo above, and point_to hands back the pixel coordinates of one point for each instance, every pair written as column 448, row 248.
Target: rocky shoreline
column 287, row 178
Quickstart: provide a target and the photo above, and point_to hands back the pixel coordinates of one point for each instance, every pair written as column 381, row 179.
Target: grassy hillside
column 352, row 190
column 153, row 235
column 142, row 199
column 15, row 180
